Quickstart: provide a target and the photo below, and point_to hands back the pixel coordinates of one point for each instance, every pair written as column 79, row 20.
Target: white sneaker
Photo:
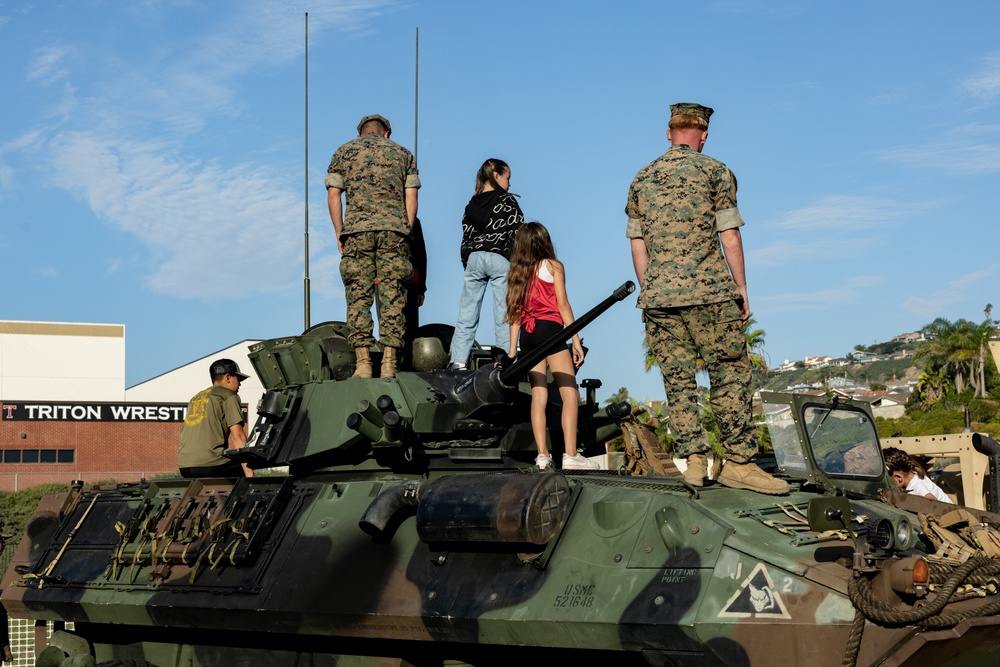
column 579, row 462
column 543, row 461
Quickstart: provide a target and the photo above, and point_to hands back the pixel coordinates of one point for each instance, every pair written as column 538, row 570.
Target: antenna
column 416, row 94
column 305, row 282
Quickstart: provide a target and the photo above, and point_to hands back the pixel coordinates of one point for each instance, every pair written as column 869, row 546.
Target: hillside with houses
column 940, row 379
column 882, row 374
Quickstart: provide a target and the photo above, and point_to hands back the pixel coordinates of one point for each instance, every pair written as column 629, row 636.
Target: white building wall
column 180, row 384
column 54, row 361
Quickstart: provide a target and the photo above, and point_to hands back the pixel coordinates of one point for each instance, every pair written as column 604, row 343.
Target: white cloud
column 45, row 272
column 206, row 224
column 841, row 213
column 955, row 291
column 200, row 77
column 47, row 65
column 968, row 149
column 6, row 177
column 985, row 84
column 809, row 250
column 835, row 227
column 203, row 223
column 852, row 290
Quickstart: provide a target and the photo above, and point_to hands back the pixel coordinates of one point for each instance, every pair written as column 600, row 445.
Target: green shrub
column 16, row 507
column 983, row 410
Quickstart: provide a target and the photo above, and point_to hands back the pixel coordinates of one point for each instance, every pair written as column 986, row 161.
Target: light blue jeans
column 482, row 268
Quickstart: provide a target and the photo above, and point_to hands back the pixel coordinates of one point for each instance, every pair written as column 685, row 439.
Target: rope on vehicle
column 868, row 607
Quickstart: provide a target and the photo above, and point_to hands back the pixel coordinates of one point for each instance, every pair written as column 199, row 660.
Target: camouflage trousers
column 371, row 256
column 678, row 337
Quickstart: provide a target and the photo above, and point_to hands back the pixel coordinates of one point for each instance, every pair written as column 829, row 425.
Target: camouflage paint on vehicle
column 412, row 526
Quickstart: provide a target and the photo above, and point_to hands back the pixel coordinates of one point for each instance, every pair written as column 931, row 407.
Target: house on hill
column 786, row 367
column 862, row 357
column 884, row 404
column 915, row 337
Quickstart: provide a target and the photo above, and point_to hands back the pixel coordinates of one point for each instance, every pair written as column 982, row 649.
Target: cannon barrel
column 529, row 360
column 492, row 385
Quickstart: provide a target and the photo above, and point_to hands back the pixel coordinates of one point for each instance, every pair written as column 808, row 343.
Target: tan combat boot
column 388, row 362
column 363, row 363
column 697, row 470
column 750, row 476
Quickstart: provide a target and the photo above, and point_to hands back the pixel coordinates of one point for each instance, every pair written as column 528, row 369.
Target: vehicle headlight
column 904, row 533
column 884, row 533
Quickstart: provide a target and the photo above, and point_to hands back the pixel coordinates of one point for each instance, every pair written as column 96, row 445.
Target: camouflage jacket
column 374, row 172
column 678, row 204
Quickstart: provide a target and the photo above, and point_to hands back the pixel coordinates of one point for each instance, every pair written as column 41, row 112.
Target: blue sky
column 152, row 167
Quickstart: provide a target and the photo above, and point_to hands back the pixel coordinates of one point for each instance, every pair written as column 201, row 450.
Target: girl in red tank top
column 537, row 309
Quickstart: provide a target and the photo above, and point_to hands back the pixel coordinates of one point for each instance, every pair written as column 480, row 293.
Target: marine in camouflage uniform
column 694, row 299
column 380, row 180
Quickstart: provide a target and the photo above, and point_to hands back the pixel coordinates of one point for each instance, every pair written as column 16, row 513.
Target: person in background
column 213, row 422
column 491, row 218
column 908, row 475
column 380, row 180
column 681, row 207
column 537, row 310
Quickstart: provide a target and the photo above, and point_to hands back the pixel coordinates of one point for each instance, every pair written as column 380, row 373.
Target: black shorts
column 544, row 330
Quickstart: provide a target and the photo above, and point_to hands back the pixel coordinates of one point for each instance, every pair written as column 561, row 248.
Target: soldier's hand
column 744, row 303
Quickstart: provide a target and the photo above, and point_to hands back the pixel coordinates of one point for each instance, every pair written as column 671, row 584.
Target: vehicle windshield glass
column 843, row 441
column 784, row 436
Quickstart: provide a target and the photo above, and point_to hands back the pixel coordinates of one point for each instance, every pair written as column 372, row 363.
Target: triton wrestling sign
column 25, row 411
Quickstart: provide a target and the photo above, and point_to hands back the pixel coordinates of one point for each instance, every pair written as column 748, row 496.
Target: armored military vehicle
column 412, row 528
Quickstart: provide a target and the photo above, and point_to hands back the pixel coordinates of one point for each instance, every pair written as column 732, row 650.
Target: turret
column 315, row 416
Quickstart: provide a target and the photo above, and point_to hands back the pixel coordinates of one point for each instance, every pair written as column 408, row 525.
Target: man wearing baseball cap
column 380, row 180
column 213, row 422
column 681, row 207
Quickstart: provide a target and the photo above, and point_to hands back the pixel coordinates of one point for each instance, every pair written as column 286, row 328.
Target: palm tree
column 930, row 388
column 982, row 335
column 950, row 346
column 959, row 349
column 755, row 345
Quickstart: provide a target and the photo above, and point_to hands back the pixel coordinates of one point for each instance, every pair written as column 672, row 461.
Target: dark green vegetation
column 15, row 508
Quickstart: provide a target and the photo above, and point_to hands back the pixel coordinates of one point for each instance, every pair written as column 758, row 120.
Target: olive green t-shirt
column 205, row 433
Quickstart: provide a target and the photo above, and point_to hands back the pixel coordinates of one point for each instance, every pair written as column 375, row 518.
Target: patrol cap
column 377, row 117
column 226, row 367
column 691, row 109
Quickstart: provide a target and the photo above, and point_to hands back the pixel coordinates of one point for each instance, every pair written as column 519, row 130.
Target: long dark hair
column 532, row 244
column 488, row 174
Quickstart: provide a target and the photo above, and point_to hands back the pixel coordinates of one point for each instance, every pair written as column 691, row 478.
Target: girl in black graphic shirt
column 488, row 226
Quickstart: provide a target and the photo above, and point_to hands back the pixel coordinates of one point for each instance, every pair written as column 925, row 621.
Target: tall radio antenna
column 416, row 94
column 305, row 282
